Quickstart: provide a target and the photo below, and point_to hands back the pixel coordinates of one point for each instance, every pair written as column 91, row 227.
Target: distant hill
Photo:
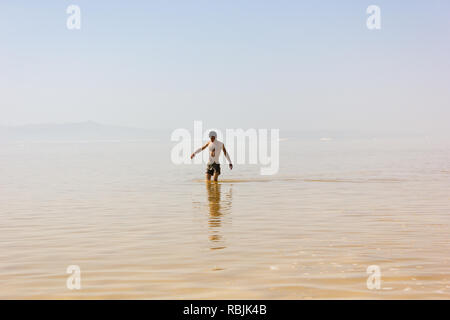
column 72, row 131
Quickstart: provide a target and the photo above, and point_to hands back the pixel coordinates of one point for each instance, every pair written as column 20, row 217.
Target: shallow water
column 139, row 226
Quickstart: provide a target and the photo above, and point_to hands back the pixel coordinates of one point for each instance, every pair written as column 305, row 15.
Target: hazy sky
column 306, row 65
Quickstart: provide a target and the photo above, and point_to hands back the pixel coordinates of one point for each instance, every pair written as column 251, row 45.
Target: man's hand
column 192, row 156
column 231, row 166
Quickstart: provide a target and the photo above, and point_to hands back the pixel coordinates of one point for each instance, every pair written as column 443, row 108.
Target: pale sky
column 302, row 65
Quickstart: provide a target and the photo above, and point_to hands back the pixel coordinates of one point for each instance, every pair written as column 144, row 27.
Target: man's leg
column 216, row 175
column 208, row 173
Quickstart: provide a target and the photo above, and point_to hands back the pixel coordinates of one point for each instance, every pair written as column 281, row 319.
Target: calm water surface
column 140, row 227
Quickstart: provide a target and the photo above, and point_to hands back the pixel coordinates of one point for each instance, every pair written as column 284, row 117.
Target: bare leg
column 216, row 176
column 208, row 177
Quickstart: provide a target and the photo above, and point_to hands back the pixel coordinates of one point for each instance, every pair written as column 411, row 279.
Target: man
column 214, row 148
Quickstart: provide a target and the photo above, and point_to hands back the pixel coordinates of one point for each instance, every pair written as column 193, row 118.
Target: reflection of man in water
column 214, row 203
column 215, row 147
column 216, row 209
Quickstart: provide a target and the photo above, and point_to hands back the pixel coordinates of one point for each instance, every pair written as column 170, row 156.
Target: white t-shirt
column 214, row 149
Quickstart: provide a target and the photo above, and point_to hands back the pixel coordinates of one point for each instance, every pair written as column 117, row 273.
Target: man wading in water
column 214, row 146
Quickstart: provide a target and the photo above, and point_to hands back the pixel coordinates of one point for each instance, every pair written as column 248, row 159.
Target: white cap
column 212, row 134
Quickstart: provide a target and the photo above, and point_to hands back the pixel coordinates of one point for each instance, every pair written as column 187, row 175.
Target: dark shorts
column 213, row 168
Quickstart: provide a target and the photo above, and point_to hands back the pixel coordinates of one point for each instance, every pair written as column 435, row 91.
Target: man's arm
column 228, row 157
column 199, row 150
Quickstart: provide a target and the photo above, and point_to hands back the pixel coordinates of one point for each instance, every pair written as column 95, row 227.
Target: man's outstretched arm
column 228, row 157
column 199, row 150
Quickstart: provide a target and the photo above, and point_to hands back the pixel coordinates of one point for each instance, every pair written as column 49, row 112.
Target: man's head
column 212, row 135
